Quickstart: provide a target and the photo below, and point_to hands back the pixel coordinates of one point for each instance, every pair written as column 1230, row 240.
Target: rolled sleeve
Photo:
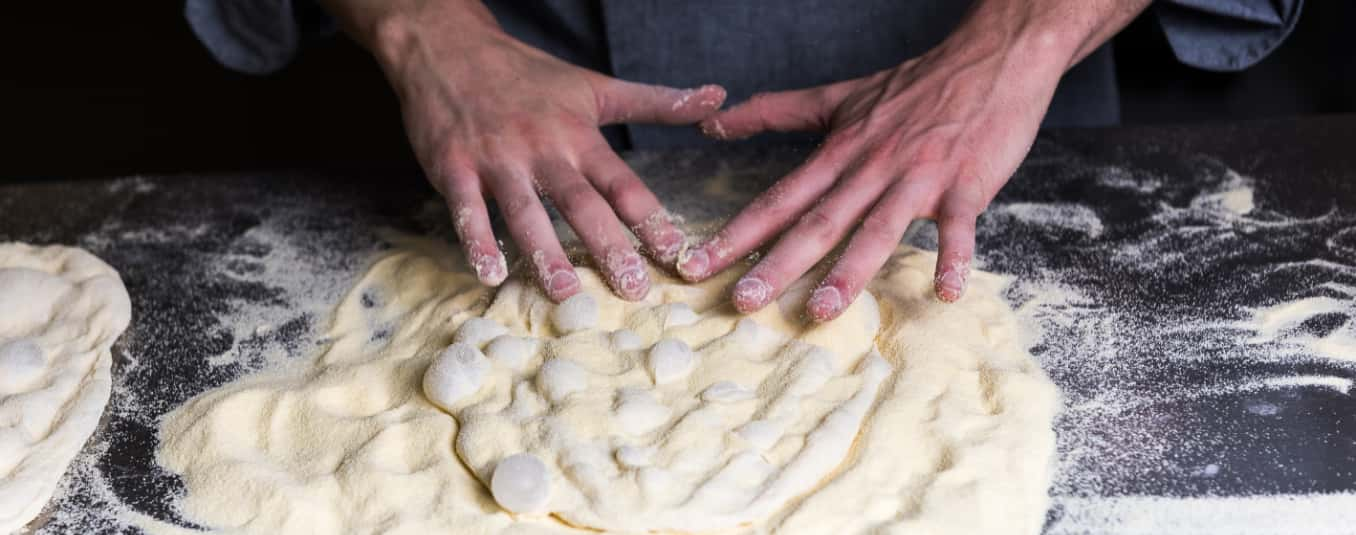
column 255, row 36
column 1226, row 35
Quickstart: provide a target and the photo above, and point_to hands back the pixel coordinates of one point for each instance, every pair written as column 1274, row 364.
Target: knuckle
column 932, row 149
column 819, row 225
column 878, row 157
column 575, row 196
column 626, row 190
column 518, row 204
column 878, row 226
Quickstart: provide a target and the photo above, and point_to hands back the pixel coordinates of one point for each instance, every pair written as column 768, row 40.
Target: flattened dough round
column 958, row 441
column 60, row 311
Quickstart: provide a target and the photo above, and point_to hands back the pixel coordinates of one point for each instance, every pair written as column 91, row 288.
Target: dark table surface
column 1139, row 280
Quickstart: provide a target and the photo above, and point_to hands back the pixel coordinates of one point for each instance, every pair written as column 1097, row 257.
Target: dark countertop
column 1126, row 259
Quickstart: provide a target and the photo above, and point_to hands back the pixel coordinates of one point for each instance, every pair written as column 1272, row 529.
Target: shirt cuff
column 255, row 36
column 1226, row 35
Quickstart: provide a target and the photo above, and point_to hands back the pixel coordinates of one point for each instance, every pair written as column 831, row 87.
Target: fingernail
column 751, row 293
column 950, row 284
column 825, row 303
column 693, row 263
column 628, row 272
column 562, row 283
column 668, row 240
column 491, row 269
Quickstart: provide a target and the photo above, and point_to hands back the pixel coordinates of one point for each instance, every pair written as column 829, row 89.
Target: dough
column 930, row 418
column 697, row 427
column 60, row 311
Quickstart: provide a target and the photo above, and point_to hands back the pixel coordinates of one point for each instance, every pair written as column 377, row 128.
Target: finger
column 875, row 239
column 597, row 226
column 634, row 203
column 955, row 248
column 812, row 237
column 768, row 213
column 531, row 229
column 630, row 102
column 471, row 219
column 781, row 111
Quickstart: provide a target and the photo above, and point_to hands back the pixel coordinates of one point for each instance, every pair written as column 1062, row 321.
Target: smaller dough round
column 456, row 374
column 21, row 365
column 575, row 314
column 521, row 484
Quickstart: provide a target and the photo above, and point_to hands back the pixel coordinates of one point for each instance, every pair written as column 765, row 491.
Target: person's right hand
column 490, row 116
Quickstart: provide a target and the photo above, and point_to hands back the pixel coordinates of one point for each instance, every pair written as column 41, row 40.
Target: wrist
column 388, row 28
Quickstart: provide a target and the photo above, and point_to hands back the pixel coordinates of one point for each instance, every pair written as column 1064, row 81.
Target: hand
column 935, row 137
column 490, row 116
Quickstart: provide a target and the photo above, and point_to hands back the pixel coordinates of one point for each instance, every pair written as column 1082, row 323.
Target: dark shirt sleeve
column 255, row 36
column 1226, row 35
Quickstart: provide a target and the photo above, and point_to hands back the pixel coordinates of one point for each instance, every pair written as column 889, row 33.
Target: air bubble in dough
column 520, row 484
column 477, row 331
column 21, row 364
column 577, row 313
column 561, row 377
column 457, row 373
column 510, row 351
column 670, row 360
column 679, row 314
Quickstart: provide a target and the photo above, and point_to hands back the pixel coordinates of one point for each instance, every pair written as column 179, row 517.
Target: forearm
column 1048, row 34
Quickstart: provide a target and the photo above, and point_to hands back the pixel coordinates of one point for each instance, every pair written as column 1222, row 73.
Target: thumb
column 630, row 102
column 781, row 111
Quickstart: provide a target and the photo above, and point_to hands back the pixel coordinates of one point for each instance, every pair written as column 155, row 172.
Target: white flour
column 1188, row 323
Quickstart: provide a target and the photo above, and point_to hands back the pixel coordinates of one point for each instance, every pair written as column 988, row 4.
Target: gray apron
column 759, row 45
column 766, row 46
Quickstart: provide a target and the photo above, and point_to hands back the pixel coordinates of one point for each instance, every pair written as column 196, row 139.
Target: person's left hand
column 935, row 137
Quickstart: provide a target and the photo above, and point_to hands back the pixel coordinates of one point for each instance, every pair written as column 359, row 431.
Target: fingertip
column 627, row 275
column 693, row 264
column 557, row 277
column 956, row 245
column 491, row 268
column 712, row 96
column 750, row 294
column 826, row 303
column 561, row 284
column 952, row 277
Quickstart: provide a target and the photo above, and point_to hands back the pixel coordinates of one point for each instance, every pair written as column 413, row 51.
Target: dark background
column 116, row 88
